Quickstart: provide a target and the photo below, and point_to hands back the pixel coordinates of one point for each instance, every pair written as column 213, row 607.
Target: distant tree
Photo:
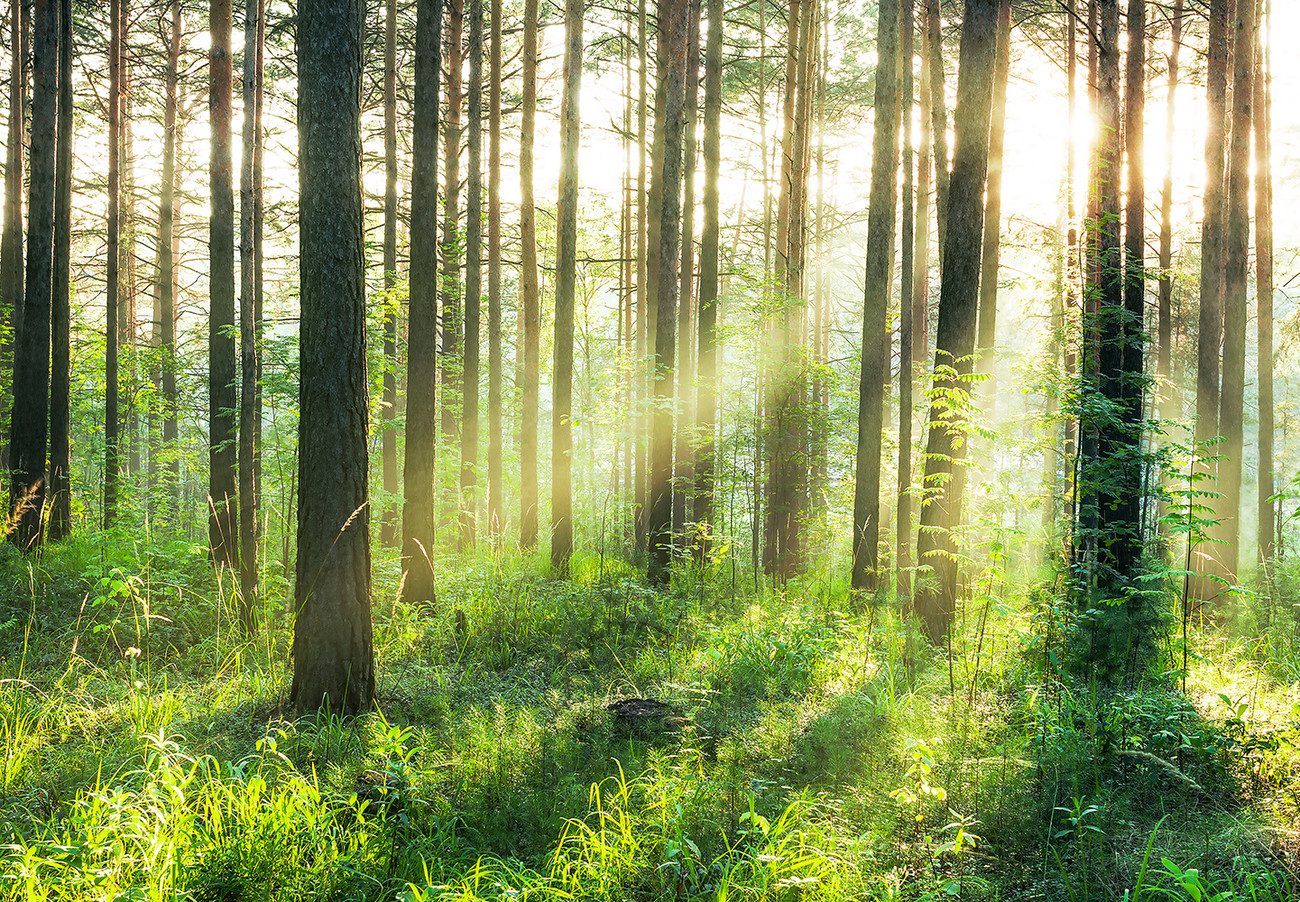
column 419, row 527
column 944, row 480
column 167, row 266
column 223, row 403
column 333, row 663
column 496, row 492
column 1164, row 322
column 683, row 463
column 473, row 284
column 29, row 429
column 566, row 273
column 530, row 292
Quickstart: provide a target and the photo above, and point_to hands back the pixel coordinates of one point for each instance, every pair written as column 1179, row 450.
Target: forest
column 658, row 450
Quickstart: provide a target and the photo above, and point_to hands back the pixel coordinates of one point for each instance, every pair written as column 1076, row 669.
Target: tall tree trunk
column 906, row 322
column 529, row 289
column 11, row 239
column 333, row 655
column 469, row 492
column 223, row 535
column 1164, row 327
column 496, row 495
column 388, row 434
column 418, row 515
column 128, row 309
column 29, row 428
column 248, row 407
column 939, row 119
column 875, row 303
column 683, row 482
column 1264, row 283
column 453, row 328
column 1210, row 313
column 566, row 276
column 936, row 600
column 673, row 25
column 924, row 173
column 987, row 336
column 1236, row 271
column 113, row 282
column 707, row 405
column 167, row 269
column 61, row 289
column 641, row 428
column 259, row 228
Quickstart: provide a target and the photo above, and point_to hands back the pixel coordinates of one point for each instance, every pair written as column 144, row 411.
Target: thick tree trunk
column 60, row 502
column 113, row 262
column 333, row 663
column 673, row 19
column 924, row 173
column 1236, row 272
column 906, row 322
column 566, row 275
column 30, row 422
column 875, row 305
column 418, row 515
column 936, row 599
column 987, row 336
column 496, row 494
column 223, row 535
column 529, row 290
column 1164, row 326
column 706, row 406
column 453, row 328
column 939, row 122
column 684, row 465
column 167, row 270
column 388, row 434
column 11, row 239
column 641, row 428
column 469, row 492
column 1264, row 287
column 248, row 337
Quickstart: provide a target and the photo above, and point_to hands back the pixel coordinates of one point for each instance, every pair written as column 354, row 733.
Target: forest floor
column 790, row 746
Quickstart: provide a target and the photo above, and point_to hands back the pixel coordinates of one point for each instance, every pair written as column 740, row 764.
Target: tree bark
column 1264, row 286
column 875, row 303
column 924, row 178
column 469, row 492
column 939, row 120
column 167, row 270
column 936, row 600
column 29, row 429
column 60, row 524
column 706, row 405
column 566, row 274
column 530, row 291
column 673, row 24
column 986, row 339
column 11, row 239
column 388, row 434
column 1164, row 326
column 418, row 515
column 496, row 494
column 684, row 466
column 113, row 262
column 453, row 327
column 223, row 535
column 906, row 322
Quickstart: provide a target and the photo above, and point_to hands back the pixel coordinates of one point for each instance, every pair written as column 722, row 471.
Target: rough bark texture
column 496, row 493
column 333, row 655
column 641, row 425
column 673, row 19
column 1236, row 270
column 469, row 491
column 1264, row 287
column 906, row 321
column 530, row 291
column 11, row 239
column 60, row 502
column 113, row 282
column 453, row 328
column 30, row 421
column 986, row 338
column 706, row 403
column 167, row 270
column 924, row 179
column 939, row 122
column 223, row 403
column 684, row 464
column 875, row 302
column 388, row 434
column 418, row 516
column 566, row 267
column 936, row 596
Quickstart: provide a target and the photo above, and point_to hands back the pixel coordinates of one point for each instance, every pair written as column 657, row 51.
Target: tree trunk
column 496, row 495
column 388, row 433
column 30, row 422
column 673, row 25
column 706, row 405
column 1264, row 286
column 469, row 492
column 333, row 664
column 1164, row 328
column 683, row 480
column 113, row 282
column 248, row 407
column 875, row 303
column 987, row 336
column 223, row 535
column 566, row 275
column 11, row 239
column 418, row 516
column 453, row 337
column 1236, row 271
column 641, row 427
column 936, row 600
column 906, row 323
column 939, row 120
column 924, row 173
column 61, row 289
column 529, row 289
column 167, row 270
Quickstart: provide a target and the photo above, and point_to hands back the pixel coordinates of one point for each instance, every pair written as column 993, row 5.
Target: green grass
column 823, row 752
